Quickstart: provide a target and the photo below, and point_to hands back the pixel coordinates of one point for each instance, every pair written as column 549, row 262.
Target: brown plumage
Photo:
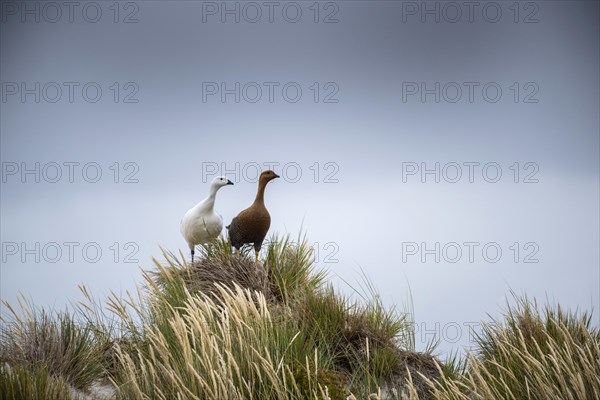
column 252, row 224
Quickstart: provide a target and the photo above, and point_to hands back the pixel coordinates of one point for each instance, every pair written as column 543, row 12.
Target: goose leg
column 257, row 247
column 192, row 256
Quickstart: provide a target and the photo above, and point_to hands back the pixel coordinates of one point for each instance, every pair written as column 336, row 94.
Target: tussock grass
column 232, row 349
column 531, row 354
column 52, row 346
column 33, row 383
column 227, row 328
column 310, row 341
column 286, row 273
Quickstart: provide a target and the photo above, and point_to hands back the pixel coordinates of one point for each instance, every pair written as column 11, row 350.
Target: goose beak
column 276, row 176
column 229, row 182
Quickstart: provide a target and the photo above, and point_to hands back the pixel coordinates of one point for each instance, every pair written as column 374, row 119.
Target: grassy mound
column 227, row 328
column 277, row 331
column 43, row 356
column 532, row 354
column 22, row 382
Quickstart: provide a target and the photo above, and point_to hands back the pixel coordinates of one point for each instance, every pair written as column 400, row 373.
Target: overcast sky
column 448, row 147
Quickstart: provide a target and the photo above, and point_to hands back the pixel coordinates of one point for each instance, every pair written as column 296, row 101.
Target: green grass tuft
column 51, row 343
column 229, row 328
column 32, row 383
column 531, row 354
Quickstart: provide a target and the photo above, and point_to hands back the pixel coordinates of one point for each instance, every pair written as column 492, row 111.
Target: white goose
column 201, row 223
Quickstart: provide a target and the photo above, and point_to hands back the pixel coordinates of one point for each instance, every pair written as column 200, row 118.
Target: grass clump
column 531, row 354
column 274, row 330
column 33, row 383
column 227, row 328
column 232, row 349
column 54, row 347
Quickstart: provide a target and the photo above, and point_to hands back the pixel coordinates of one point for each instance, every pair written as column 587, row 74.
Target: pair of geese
column 201, row 224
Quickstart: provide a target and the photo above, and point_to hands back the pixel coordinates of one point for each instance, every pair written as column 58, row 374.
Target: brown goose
column 252, row 224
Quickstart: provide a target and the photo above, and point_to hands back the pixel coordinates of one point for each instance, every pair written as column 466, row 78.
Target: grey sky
column 358, row 125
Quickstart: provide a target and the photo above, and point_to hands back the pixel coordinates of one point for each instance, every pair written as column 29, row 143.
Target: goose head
column 267, row 176
column 220, row 181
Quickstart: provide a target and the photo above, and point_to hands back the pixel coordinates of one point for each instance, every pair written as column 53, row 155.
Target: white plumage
column 201, row 223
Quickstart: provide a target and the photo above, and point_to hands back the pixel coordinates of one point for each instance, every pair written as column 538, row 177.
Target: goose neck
column 260, row 194
column 212, row 194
